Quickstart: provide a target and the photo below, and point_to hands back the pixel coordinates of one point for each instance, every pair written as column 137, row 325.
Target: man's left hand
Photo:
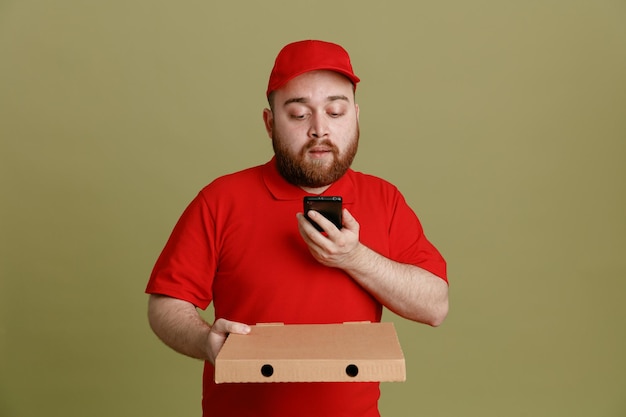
column 334, row 247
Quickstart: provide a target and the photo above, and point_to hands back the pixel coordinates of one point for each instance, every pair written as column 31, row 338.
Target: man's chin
column 320, row 162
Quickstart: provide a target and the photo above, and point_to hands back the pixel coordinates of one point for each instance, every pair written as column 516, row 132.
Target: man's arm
column 179, row 325
column 407, row 290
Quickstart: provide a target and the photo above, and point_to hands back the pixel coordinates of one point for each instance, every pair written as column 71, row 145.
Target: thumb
column 349, row 222
column 224, row 327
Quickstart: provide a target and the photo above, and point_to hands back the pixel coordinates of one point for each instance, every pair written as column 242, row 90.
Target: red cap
column 310, row 55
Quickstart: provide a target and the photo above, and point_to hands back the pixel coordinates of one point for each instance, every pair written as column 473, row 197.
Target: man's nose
column 318, row 127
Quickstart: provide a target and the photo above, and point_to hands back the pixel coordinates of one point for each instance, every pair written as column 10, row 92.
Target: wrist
column 207, row 347
column 357, row 258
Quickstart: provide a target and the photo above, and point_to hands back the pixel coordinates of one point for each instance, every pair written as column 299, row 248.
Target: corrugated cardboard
column 349, row 352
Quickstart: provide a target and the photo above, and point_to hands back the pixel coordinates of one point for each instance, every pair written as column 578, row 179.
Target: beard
column 313, row 174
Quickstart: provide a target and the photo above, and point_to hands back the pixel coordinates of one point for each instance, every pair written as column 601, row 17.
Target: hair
column 270, row 100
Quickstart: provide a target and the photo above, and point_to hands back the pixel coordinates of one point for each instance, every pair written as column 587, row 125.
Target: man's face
column 314, row 128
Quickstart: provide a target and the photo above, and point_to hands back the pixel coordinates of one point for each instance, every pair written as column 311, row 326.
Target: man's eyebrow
column 305, row 100
column 295, row 100
column 339, row 97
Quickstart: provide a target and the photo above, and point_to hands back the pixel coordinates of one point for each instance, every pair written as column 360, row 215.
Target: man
column 244, row 245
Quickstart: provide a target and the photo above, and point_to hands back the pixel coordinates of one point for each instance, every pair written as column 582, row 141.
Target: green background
column 503, row 123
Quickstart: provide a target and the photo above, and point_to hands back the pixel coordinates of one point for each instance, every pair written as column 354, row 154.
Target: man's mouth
column 320, row 150
column 318, row 153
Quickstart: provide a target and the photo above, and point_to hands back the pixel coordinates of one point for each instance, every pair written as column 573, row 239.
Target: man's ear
column 268, row 119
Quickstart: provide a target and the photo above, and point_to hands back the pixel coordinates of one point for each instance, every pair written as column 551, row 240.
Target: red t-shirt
column 237, row 244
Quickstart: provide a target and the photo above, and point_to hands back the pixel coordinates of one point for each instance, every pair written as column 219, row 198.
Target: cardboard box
column 349, row 352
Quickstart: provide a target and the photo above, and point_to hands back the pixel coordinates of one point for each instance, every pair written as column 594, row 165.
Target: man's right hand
column 220, row 331
column 178, row 325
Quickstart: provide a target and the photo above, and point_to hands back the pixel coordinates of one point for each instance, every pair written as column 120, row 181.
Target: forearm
column 407, row 290
column 178, row 324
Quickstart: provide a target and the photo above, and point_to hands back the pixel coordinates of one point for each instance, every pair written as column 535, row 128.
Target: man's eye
column 298, row 116
column 335, row 111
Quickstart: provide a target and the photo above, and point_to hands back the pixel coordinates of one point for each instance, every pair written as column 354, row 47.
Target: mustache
column 320, row 142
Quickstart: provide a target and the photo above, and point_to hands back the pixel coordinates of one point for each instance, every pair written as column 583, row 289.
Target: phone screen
column 328, row 206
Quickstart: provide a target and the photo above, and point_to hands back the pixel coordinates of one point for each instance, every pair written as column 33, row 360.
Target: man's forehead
column 324, row 85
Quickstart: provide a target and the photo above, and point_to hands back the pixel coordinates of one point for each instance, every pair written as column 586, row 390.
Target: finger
column 219, row 333
column 308, row 232
column 225, row 327
column 322, row 221
column 349, row 222
column 304, row 224
column 239, row 328
column 316, row 241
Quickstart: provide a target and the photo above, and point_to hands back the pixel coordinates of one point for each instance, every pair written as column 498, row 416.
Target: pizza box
column 348, row 352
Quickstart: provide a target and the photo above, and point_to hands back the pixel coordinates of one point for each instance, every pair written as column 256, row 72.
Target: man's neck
column 318, row 190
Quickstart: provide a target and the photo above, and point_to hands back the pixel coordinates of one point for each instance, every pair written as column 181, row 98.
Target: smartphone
column 328, row 206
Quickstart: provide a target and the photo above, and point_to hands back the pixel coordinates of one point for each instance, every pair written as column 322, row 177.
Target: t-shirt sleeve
column 409, row 243
column 186, row 267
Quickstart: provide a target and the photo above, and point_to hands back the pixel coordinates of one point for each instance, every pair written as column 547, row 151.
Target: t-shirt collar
column 281, row 189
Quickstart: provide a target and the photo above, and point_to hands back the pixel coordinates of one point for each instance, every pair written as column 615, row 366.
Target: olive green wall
column 504, row 124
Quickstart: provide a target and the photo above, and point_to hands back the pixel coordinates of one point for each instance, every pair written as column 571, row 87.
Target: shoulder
column 372, row 183
column 235, row 180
